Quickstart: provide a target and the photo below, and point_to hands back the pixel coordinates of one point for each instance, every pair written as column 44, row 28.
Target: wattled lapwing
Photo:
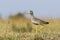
column 35, row 20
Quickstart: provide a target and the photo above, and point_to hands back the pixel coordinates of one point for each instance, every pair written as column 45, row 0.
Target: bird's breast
column 36, row 22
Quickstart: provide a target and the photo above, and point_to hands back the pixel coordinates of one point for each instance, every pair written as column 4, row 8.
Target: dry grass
column 20, row 28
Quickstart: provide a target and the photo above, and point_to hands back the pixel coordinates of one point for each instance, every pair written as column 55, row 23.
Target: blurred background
column 18, row 27
column 41, row 8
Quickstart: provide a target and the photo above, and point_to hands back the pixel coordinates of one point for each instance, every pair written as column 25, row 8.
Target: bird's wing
column 39, row 20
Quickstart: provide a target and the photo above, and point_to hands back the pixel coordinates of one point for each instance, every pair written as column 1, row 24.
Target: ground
column 22, row 29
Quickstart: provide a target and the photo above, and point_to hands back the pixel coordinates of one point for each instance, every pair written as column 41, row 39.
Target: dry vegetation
column 18, row 27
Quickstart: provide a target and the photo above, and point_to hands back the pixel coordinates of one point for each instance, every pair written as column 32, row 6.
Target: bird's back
column 38, row 21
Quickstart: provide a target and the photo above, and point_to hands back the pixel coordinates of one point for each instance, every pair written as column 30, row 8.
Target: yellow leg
column 41, row 27
column 38, row 28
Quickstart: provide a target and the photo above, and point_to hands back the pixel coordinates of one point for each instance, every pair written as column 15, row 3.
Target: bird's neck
column 32, row 16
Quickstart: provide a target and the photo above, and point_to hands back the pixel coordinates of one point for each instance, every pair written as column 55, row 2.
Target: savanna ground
column 18, row 27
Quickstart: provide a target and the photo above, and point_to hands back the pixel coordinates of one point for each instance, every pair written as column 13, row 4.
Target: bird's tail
column 44, row 22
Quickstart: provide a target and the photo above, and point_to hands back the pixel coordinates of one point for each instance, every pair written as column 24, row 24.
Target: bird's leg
column 35, row 28
column 38, row 28
column 41, row 26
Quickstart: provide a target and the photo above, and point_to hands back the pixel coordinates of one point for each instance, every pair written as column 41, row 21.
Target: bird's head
column 30, row 12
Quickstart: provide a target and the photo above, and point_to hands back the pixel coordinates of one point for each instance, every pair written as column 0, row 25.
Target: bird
column 35, row 20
